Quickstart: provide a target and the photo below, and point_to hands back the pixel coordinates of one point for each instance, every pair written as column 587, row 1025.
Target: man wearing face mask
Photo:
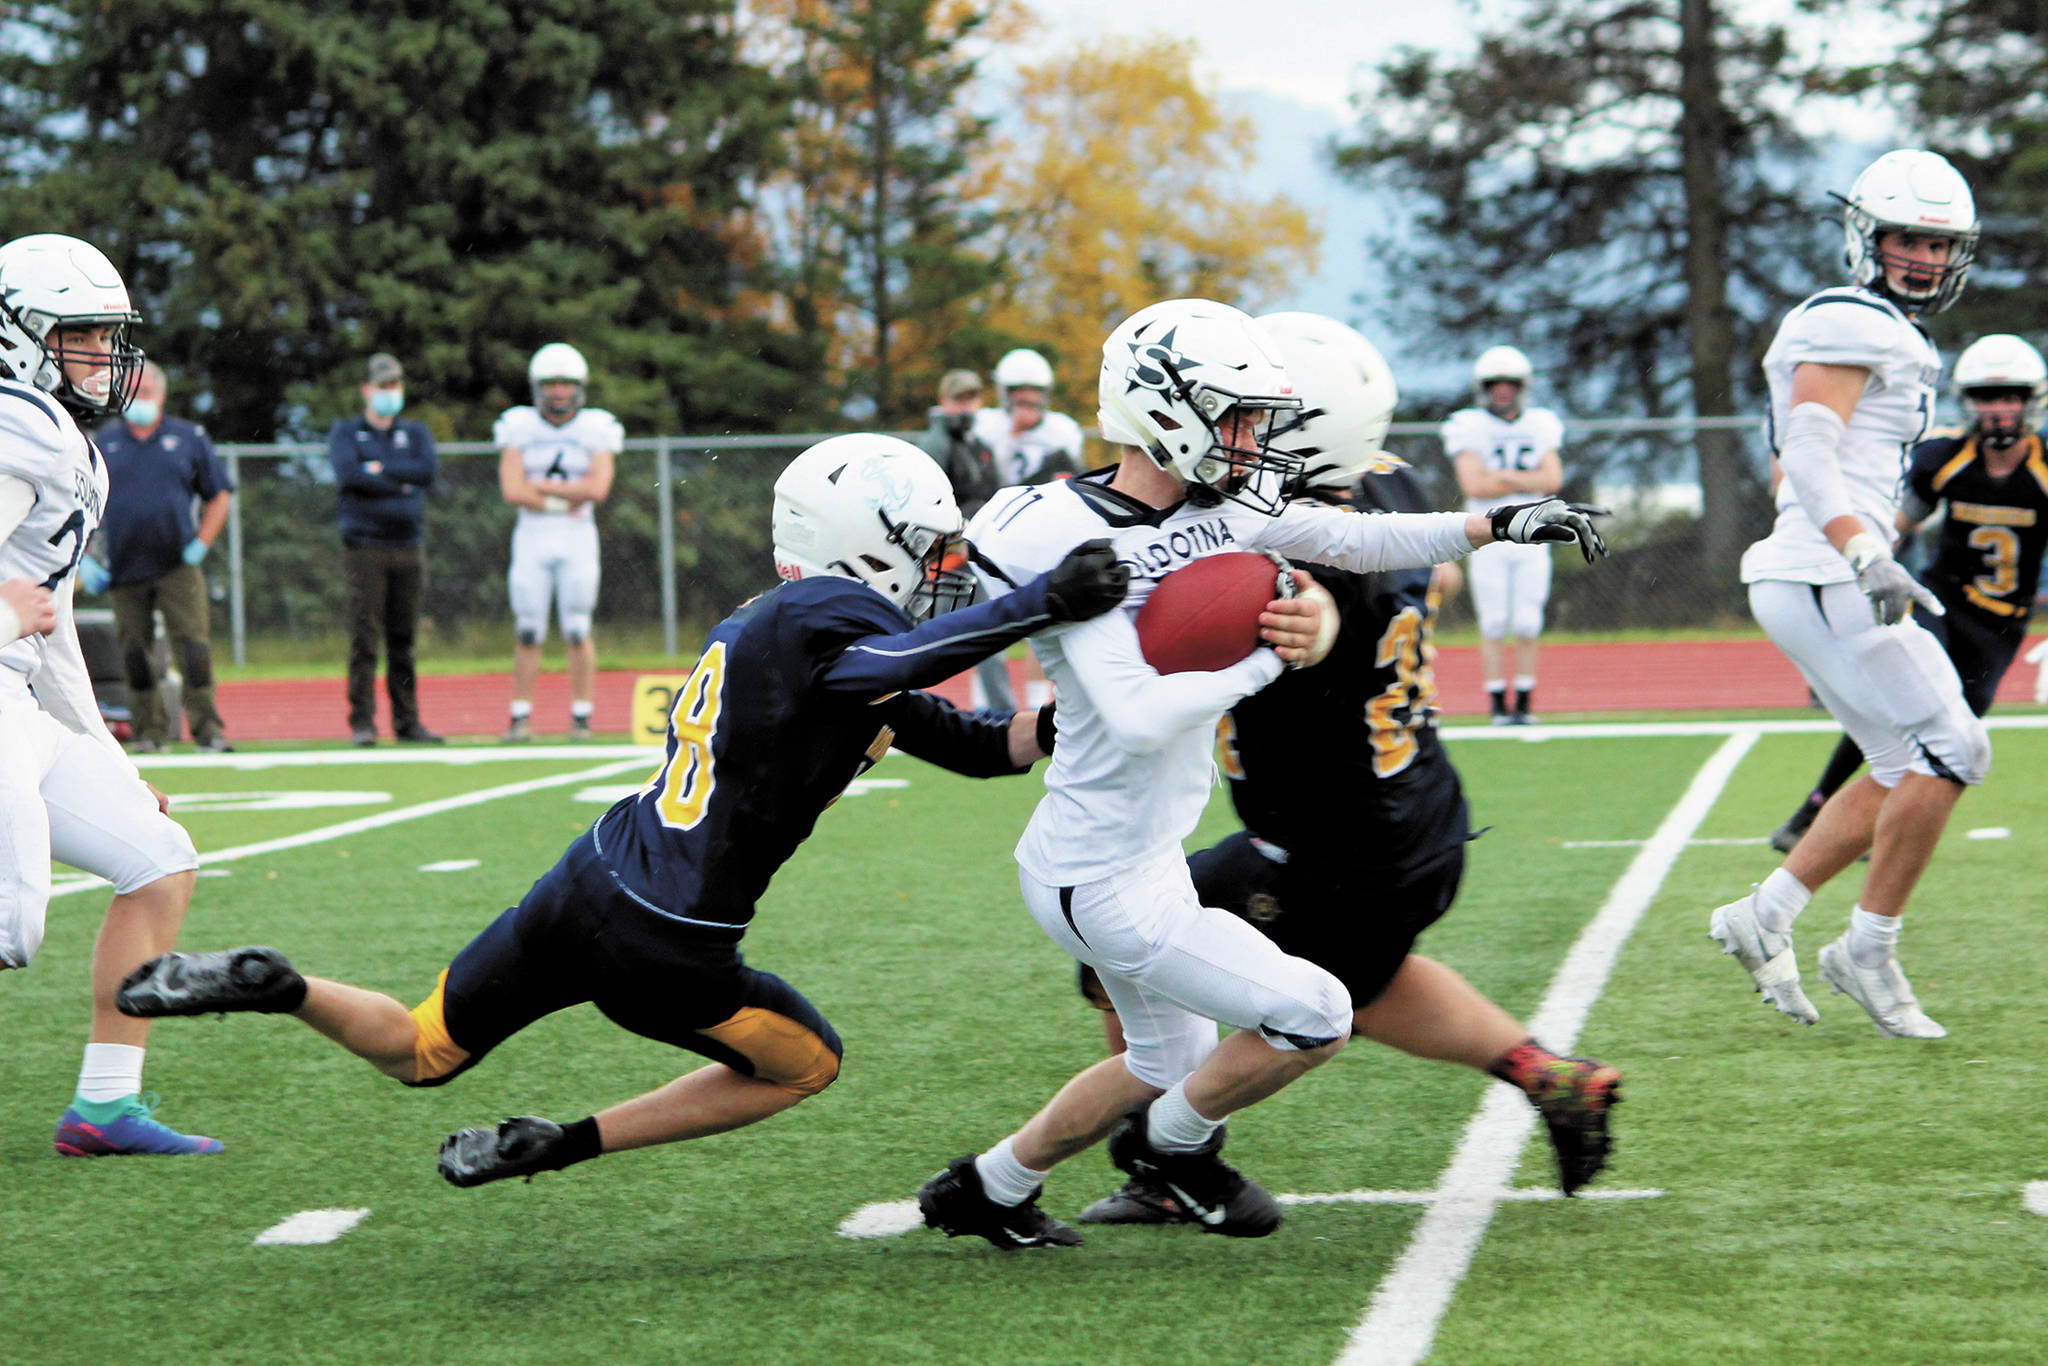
column 161, row 468
column 383, row 467
column 970, row 466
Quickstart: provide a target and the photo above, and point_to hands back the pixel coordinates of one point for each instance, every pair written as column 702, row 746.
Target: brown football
column 1205, row 615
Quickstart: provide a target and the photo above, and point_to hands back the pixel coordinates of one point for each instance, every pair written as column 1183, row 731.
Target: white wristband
column 10, row 625
column 1863, row 550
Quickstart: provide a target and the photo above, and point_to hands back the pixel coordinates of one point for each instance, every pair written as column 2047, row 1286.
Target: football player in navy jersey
column 799, row 691
column 1993, row 481
column 1355, row 821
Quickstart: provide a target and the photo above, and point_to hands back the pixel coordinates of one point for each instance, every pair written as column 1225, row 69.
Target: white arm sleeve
column 1142, row 709
column 1813, row 434
column 1366, row 543
column 63, row 684
column 17, row 498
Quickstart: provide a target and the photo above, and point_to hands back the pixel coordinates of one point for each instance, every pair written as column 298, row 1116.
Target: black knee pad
column 527, row 637
column 576, row 639
column 198, row 664
column 136, row 666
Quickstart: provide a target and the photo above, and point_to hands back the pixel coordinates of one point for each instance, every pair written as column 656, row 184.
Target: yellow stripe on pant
column 783, row 1052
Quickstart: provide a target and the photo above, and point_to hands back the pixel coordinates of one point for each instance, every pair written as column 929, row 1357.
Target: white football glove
column 1551, row 519
column 1891, row 590
column 2039, row 656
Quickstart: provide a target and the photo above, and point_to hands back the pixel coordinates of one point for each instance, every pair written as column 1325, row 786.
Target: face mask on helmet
column 64, row 320
column 1195, row 384
column 2000, row 414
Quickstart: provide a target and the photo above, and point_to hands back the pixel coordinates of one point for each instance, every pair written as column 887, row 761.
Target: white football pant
column 66, row 797
column 1174, row 968
column 1892, row 687
column 1510, row 585
column 554, row 561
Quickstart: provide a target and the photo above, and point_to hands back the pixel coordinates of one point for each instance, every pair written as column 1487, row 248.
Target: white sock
column 1525, row 683
column 521, row 710
column 110, row 1071
column 1779, row 900
column 1872, row 938
column 582, row 710
column 1174, row 1126
column 1004, row 1179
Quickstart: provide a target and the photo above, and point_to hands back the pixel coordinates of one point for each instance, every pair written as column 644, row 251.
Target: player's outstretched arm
column 1088, row 582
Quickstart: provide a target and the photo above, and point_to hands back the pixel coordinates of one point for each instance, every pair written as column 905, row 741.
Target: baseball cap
column 958, row 383
column 382, row 369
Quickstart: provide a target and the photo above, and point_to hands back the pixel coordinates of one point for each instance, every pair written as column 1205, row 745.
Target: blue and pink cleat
column 86, row 1130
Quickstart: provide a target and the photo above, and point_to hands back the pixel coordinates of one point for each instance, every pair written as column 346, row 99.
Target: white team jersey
column 1106, row 807
column 1502, row 445
column 1848, row 325
column 41, row 445
column 551, row 452
column 1018, row 459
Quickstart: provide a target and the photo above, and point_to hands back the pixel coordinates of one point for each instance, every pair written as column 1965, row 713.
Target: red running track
column 1723, row 675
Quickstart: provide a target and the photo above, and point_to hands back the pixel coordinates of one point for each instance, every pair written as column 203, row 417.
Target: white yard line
column 1401, row 1322
column 364, row 824
column 1630, row 730
column 311, row 1226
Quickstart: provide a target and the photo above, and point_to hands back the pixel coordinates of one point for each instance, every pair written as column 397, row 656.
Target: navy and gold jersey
column 1987, row 561
column 1345, row 755
column 797, row 693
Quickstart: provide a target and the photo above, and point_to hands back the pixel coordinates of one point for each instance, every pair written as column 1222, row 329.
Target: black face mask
column 958, row 424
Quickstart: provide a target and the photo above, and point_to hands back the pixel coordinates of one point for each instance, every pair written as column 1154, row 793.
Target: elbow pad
column 1813, row 435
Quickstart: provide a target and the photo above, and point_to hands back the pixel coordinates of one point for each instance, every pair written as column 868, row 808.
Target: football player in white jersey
column 1852, row 381
column 555, row 465
column 66, row 789
column 1029, row 441
column 1505, row 453
column 1188, row 389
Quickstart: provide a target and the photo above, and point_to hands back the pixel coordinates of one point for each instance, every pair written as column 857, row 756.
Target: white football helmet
column 1172, row 372
column 1911, row 191
column 48, row 281
column 558, row 361
column 1348, row 393
column 2002, row 362
column 1500, row 363
column 1021, row 369
column 877, row 509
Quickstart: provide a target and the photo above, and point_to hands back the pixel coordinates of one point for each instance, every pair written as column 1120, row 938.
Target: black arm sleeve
column 876, row 664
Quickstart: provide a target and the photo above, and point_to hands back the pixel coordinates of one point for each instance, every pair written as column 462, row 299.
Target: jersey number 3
column 687, row 781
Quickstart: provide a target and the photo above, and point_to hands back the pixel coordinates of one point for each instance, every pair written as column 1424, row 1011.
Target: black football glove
column 1551, row 519
column 1047, row 730
column 1087, row 583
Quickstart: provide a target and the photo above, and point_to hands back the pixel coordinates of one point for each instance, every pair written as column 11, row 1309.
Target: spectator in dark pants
column 970, row 467
column 158, row 469
column 383, row 467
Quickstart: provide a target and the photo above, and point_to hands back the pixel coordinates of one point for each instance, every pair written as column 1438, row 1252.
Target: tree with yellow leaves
column 1122, row 185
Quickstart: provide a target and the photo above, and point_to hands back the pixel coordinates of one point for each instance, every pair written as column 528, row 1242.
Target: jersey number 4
column 685, row 782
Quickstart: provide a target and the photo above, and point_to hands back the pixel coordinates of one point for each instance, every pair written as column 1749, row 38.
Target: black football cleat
column 1576, row 1099
column 521, row 1146
column 1213, row 1194
column 954, row 1203
column 251, row 979
column 1136, row 1201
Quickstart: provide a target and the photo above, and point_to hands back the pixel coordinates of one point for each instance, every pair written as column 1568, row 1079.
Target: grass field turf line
column 1830, row 1195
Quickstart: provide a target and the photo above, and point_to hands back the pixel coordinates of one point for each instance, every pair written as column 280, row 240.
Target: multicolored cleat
column 130, row 1133
column 1576, row 1097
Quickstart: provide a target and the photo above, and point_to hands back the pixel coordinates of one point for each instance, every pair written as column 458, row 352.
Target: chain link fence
column 685, row 536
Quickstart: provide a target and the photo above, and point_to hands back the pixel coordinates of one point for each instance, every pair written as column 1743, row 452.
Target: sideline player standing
column 1505, row 453
column 1993, row 481
column 1355, row 820
column 1852, row 381
column 1029, row 442
column 555, row 465
column 1187, row 389
column 797, row 693
column 66, row 789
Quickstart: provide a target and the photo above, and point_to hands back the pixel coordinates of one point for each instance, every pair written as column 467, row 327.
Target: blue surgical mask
column 141, row 412
column 387, row 402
